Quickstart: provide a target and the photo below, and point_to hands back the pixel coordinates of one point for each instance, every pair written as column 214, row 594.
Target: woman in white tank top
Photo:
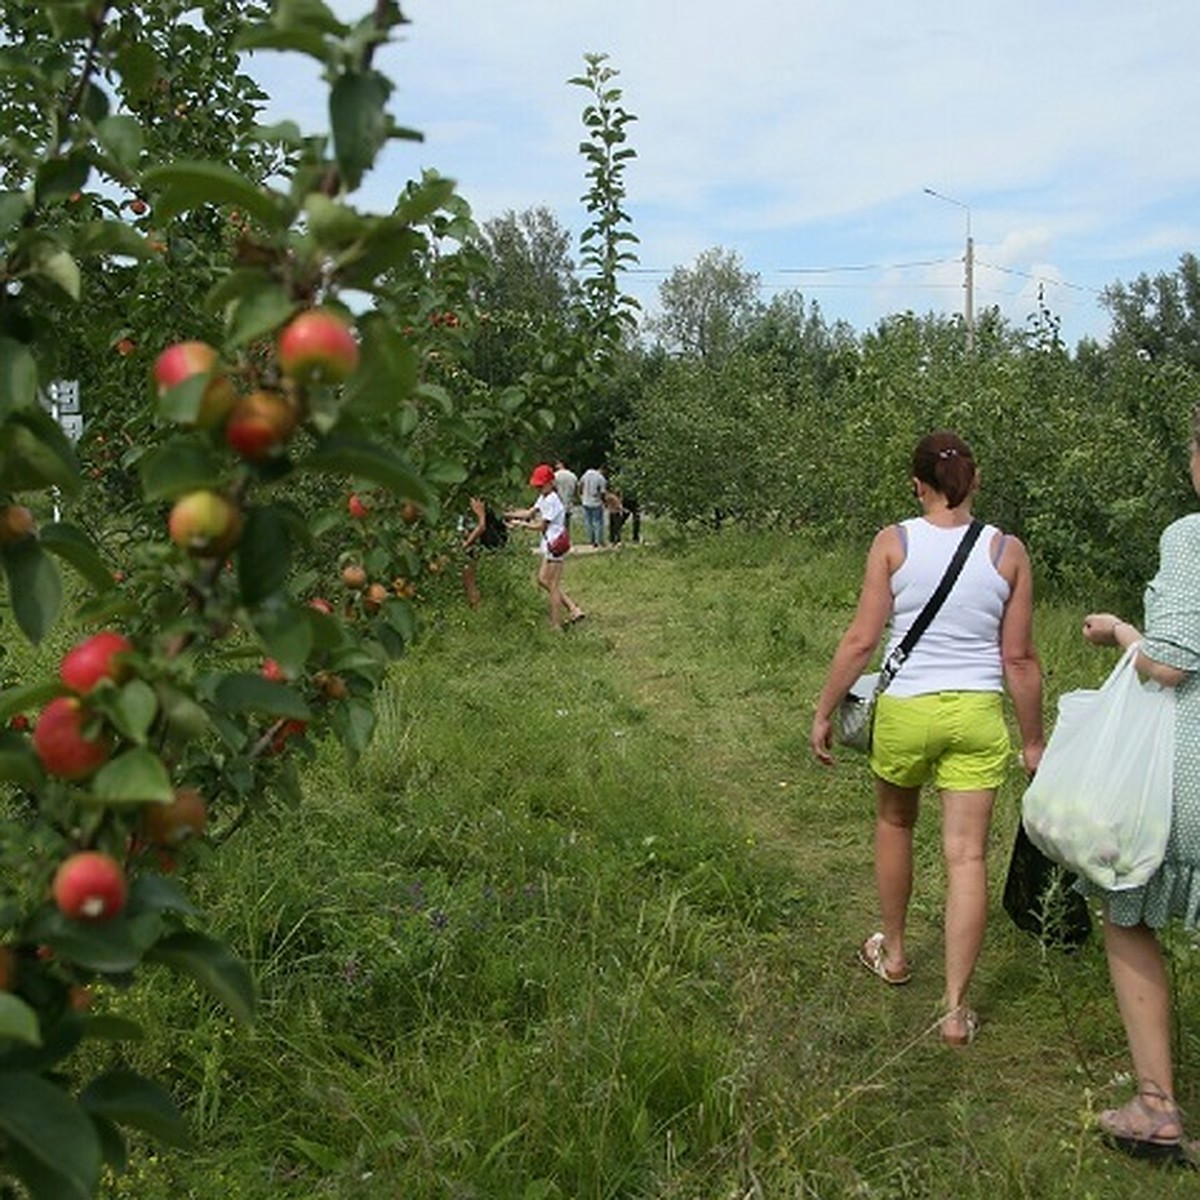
column 941, row 720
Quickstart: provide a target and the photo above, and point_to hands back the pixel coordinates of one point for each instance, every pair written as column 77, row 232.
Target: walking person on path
column 566, row 483
column 592, row 488
column 1149, row 1125
column 941, row 719
column 546, row 516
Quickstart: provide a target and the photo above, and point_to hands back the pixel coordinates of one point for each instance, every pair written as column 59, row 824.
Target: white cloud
column 801, row 134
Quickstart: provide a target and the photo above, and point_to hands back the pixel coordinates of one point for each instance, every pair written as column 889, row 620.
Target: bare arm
column 1018, row 654
column 861, row 638
column 1104, row 629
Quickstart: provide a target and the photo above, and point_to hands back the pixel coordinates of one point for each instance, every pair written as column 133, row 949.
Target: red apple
column 374, row 597
column 97, row 658
column 16, row 523
column 185, row 359
column 90, row 886
column 354, row 576
column 170, row 824
column 358, row 510
column 260, row 425
column 19, row 723
column 205, row 524
column 138, row 207
column 318, row 345
column 60, row 743
column 321, row 605
column 126, row 346
column 272, row 670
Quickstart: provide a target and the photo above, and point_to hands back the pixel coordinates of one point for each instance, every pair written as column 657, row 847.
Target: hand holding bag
column 855, row 716
column 1100, row 802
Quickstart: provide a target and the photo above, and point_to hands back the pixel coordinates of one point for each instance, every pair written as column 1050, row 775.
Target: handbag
column 1101, row 800
column 560, row 545
column 855, row 724
column 1040, row 897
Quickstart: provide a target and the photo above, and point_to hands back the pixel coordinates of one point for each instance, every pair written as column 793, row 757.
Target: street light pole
column 968, row 268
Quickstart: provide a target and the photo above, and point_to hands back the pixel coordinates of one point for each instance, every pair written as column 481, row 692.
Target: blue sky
column 801, row 135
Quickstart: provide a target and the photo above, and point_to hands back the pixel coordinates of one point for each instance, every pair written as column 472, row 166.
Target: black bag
column 495, row 532
column 1040, row 897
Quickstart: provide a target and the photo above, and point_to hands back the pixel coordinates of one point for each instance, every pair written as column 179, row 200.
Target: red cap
column 542, row 475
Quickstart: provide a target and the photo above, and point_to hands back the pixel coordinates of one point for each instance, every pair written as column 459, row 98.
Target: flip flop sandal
column 970, row 1027
column 1136, row 1129
column 873, row 956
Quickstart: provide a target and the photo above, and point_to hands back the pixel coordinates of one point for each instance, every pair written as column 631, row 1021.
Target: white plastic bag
column 1100, row 802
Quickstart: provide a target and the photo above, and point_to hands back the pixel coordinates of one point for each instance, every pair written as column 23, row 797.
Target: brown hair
column 942, row 460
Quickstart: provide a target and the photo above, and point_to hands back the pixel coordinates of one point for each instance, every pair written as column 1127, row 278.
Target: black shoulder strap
column 925, row 616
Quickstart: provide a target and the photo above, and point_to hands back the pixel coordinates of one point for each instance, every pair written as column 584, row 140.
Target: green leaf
column 110, row 237
column 188, row 185
column 179, row 466
column 28, row 696
column 133, row 778
column 111, row 947
column 73, row 546
column 54, row 264
column 55, row 1134
column 359, row 123
column 257, row 311
column 211, row 964
column 109, row 1027
column 303, row 41
column 264, row 555
column 182, row 402
column 246, row 693
column 156, row 893
column 130, row 1099
column 35, row 454
column 287, row 635
column 18, row 1021
column 122, row 138
column 388, row 370
column 133, row 710
column 309, row 14
column 139, row 67
column 18, row 377
column 59, row 177
column 17, row 762
column 13, row 207
column 444, row 472
column 347, row 455
column 34, row 587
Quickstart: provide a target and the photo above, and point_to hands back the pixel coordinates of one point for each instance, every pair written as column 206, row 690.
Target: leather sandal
column 873, row 955
column 1137, row 1130
column 970, row 1026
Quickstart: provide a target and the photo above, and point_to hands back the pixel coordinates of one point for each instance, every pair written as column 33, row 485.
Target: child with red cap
column 547, row 514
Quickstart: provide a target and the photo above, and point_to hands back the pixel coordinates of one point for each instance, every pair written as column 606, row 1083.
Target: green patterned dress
column 1172, row 637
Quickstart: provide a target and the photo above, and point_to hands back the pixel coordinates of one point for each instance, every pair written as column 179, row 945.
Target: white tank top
column 960, row 650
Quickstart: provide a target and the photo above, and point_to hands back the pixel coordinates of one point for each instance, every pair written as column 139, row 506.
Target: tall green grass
column 582, row 921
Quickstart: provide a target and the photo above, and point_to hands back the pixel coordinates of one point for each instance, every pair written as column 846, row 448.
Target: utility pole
column 968, row 269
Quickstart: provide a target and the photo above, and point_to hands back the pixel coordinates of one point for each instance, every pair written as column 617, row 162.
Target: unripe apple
column 354, row 576
column 185, row 359
column 16, row 523
column 375, row 595
column 358, row 510
column 170, row 824
column 60, row 743
column 319, row 346
column 205, row 524
column 97, row 658
column 260, row 425
column 90, row 886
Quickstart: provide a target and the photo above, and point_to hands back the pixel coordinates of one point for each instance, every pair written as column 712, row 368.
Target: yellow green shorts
column 956, row 739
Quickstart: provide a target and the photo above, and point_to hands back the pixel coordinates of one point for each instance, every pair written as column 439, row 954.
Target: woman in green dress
column 1149, row 1125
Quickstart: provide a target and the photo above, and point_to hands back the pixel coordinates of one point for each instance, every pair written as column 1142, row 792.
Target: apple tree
column 211, row 654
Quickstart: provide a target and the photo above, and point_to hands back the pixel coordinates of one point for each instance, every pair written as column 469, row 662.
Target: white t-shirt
column 552, row 510
column 592, row 487
column 960, row 650
column 565, row 483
